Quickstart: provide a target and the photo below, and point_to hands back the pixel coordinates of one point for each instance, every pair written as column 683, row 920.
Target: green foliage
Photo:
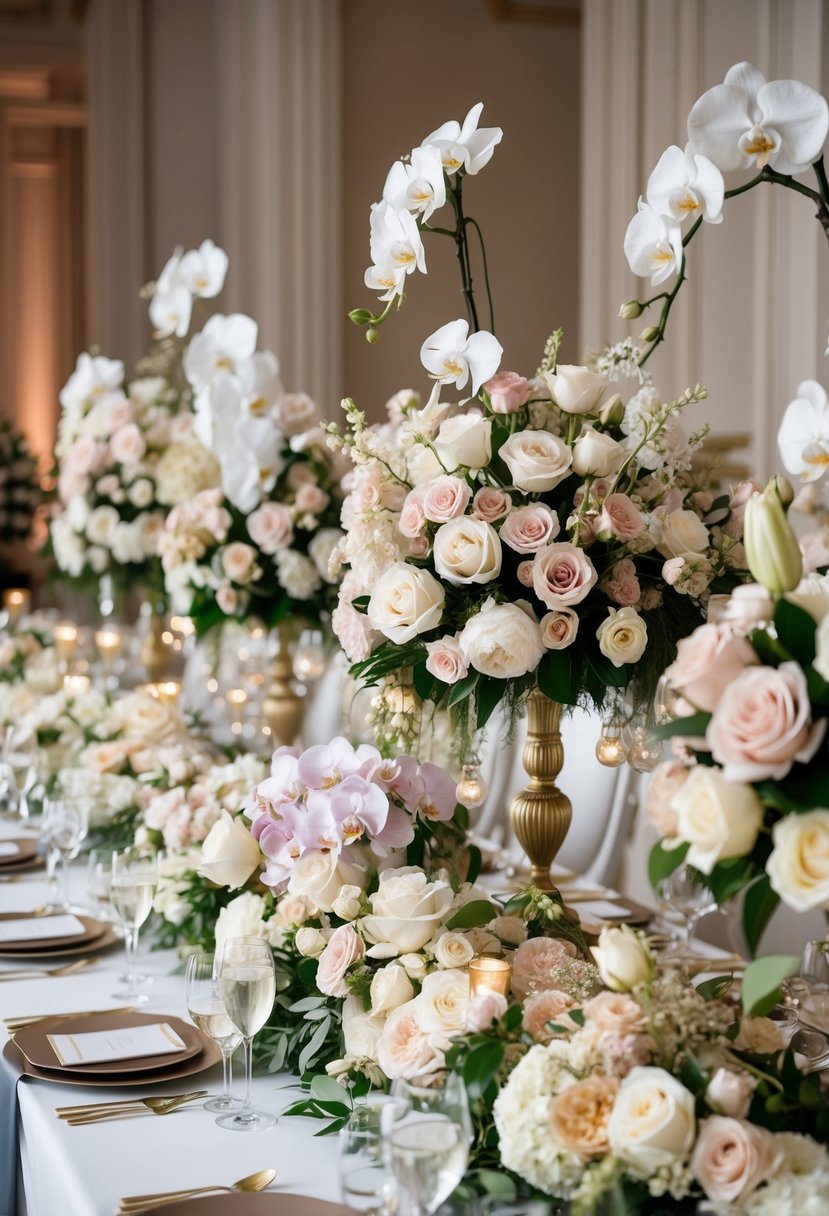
column 762, row 980
column 470, row 916
column 198, row 931
column 662, row 862
column 796, row 629
column 715, row 988
column 758, row 906
column 693, row 726
column 303, row 1033
column 328, row 1100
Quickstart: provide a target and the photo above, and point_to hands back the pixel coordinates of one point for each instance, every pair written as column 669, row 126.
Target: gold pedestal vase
column 283, row 707
column 540, row 815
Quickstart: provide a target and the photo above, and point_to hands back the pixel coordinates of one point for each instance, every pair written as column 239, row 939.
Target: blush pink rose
column 559, row 628
column 271, row 527
column 491, row 504
column 485, row 1008
column 227, row 599
column 445, row 660
column 763, row 724
column 127, row 444
column 412, row 516
column 622, row 586
column 731, row 1158
column 344, row 948
column 562, row 575
column 239, row 561
column 707, row 662
column 539, row 964
column 445, row 498
column 311, row 498
column 616, row 1013
column 739, row 501
column 525, row 574
column 508, row 392
column 530, row 528
column 620, row 518
column 666, row 782
column 353, row 632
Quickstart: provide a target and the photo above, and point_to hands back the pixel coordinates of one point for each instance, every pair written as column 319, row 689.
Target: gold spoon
column 88, row 1107
column 50, row 973
column 253, row 1182
column 155, row 1106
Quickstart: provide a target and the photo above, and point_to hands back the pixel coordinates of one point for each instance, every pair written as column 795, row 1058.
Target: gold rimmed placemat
column 35, row 1043
column 207, row 1058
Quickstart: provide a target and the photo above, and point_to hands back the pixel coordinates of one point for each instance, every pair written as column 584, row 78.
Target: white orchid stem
column 462, row 251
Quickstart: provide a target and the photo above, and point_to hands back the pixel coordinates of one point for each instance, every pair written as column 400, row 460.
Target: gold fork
column 24, row 1021
column 145, row 1106
column 49, row 973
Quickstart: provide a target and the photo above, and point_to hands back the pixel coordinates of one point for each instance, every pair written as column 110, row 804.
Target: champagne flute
column 20, row 755
column 134, row 881
column 247, row 984
column 366, row 1182
column 428, row 1141
column 685, row 893
column 206, row 1008
column 64, row 828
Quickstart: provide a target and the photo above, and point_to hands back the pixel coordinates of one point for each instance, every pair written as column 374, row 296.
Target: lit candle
column 109, row 642
column 168, row 691
column 16, row 602
column 66, row 641
column 74, row 685
column 236, row 699
column 488, row 974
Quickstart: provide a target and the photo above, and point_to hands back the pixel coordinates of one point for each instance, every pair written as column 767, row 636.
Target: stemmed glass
column 206, row 1008
column 99, row 881
column 134, row 882
column 366, row 1182
column 428, row 1141
column 815, row 965
column 20, row 754
column 247, row 985
column 684, row 892
column 63, row 829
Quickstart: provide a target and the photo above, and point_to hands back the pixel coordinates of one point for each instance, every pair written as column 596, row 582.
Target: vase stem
column 540, row 815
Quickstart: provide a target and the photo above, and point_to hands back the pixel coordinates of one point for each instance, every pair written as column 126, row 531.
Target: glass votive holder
column 76, row 685
column 66, row 641
column 16, row 603
column 488, row 974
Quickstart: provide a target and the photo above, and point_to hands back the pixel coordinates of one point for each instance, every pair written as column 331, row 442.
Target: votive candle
column 109, row 642
column 66, row 641
column 487, row 974
column 16, row 602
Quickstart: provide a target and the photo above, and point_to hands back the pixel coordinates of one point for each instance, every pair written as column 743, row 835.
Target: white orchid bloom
column 465, row 146
column 419, row 186
column 803, row 437
column 747, row 121
column 94, row 377
column 395, row 239
column 653, row 245
column 388, row 279
column 170, row 312
column 251, row 460
column 202, row 271
column 224, row 345
column 451, row 355
column 168, row 279
column 685, row 185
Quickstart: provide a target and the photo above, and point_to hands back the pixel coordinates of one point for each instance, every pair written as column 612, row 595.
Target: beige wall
column 405, row 71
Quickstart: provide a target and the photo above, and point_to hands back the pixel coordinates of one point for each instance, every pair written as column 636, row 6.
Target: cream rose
column 530, row 528
column 405, row 1049
column 537, row 460
column 559, row 628
column 616, row 1013
column 667, row 780
column 443, row 1002
column 271, row 527
column 579, row 1117
column 445, row 660
column 406, row 909
column 596, row 454
column 623, row 636
column 729, row 1093
column 467, row 550
column 309, row 942
column 749, row 607
column 344, row 948
column 732, row 1158
column 652, row 1123
column 229, row 854
column 718, row 818
column 361, row 1031
column 452, row 950
column 706, row 662
column 501, row 641
column 445, row 498
column 562, row 575
column 348, row 903
column 575, row 389
column 623, row 958
column 682, row 532
column 798, row 867
column 821, row 663
column 405, row 602
column 491, row 504
column 465, row 440
column 390, row 988
column 319, row 875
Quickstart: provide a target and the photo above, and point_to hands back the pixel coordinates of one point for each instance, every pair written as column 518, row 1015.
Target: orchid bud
column 649, row 333
column 772, row 550
column 360, row 316
column 371, row 335
column 631, row 310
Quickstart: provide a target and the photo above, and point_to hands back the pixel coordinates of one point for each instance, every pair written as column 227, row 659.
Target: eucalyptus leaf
column 326, row 1089
column 762, row 980
column 314, row 1045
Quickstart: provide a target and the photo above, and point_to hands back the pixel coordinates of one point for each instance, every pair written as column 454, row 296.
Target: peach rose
column 544, row 1007
column 732, row 1158
column 619, row 518
column 763, row 724
column 622, row 586
column 530, row 528
column 579, row 1116
column 535, row 963
column 508, row 392
column 491, row 504
column 344, row 948
column 666, row 782
column 562, row 575
column 615, row 1013
column 707, row 662
column 445, row 660
column 127, row 444
column 271, row 527
column 445, row 498
column 559, row 628
column 405, row 1049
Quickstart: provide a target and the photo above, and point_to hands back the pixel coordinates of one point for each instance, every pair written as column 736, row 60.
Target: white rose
column 361, row 1031
column 682, row 532
column 623, row 958
column 798, row 868
column 821, row 663
column 242, row 917
column 652, row 1122
column 309, row 942
column 229, row 854
column 101, row 526
column 537, row 460
column 452, row 950
column 501, row 641
column 141, row 492
column 443, row 1002
column 729, row 1093
column 576, row 390
column 596, row 454
column 319, row 875
column 144, row 717
column 406, row 909
column 390, row 987
column 348, row 902
column 465, row 440
column 718, row 818
column 467, row 550
column 623, row 636
column 405, row 601
column 414, row 964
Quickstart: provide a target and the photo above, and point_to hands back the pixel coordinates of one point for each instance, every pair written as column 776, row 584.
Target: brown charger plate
column 240, row 1203
column 35, row 1045
column 107, row 938
column 27, row 849
column 93, row 929
column 630, row 912
column 35, row 862
column 205, row 1059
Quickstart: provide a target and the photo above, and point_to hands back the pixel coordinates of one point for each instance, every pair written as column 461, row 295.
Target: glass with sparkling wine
column 247, row 985
column 207, row 1009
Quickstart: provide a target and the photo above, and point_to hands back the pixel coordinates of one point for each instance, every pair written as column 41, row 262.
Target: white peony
column 501, row 641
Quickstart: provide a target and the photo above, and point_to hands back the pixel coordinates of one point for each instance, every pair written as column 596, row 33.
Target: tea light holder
column 75, row 685
column 109, row 642
column 16, row 603
column 66, row 643
column 168, row 692
column 487, row 974
column 236, row 699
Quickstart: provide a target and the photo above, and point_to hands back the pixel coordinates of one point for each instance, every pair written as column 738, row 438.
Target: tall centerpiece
column 527, row 542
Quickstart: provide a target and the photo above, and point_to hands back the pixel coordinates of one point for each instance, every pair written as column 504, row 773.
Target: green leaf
column 517, row 904
column 497, row 1184
column 759, row 904
column 801, row 790
column 424, row 682
column 607, row 671
column 796, row 629
column 692, row 1076
column 481, row 1066
column 772, row 653
column 576, row 1015
column 326, row 1089
column 762, row 980
column 314, row 1045
column 818, row 689
column 470, row 916
column 489, row 693
column 662, row 862
column 716, row 987
column 693, row 726
column 557, row 676
column 305, row 1003
column 728, row 878
column 463, row 688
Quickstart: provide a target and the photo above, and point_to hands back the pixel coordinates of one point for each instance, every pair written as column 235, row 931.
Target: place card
column 34, row 928
column 8, row 848
column 601, row 909
column 124, row 1043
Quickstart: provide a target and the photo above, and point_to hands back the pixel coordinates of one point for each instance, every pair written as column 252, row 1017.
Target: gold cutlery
column 24, row 1021
column 49, row 973
column 102, row 1106
column 140, row 1203
column 153, row 1106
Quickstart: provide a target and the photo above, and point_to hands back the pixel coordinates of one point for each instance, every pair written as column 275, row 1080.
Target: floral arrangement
column 776, row 128
column 20, row 491
column 539, row 532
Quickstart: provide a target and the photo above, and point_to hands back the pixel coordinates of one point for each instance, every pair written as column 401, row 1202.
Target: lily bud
column 785, row 490
column 631, row 310
column 772, row 550
column 649, row 333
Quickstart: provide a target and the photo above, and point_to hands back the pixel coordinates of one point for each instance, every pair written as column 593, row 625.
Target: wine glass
column 64, row 828
column 247, row 985
column 99, row 880
column 20, row 756
column 684, row 892
column 134, row 882
column 206, row 1008
column 428, row 1141
column 814, row 968
column 366, row 1182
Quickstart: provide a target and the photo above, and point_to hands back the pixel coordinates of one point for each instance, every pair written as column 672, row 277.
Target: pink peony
column 620, row 518
column 490, row 504
column 344, row 948
column 271, row 527
column 529, row 528
column 707, row 662
column 445, row 498
column 508, row 392
column 621, row 585
column 445, row 660
column 562, row 575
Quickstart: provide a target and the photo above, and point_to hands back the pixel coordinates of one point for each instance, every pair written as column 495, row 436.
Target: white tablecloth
column 84, row 1171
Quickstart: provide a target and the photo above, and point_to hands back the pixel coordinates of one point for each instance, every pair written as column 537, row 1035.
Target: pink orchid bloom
column 397, row 833
column 440, row 797
column 314, row 825
column 327, row 764
column 408, row 784
column 358, row 807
